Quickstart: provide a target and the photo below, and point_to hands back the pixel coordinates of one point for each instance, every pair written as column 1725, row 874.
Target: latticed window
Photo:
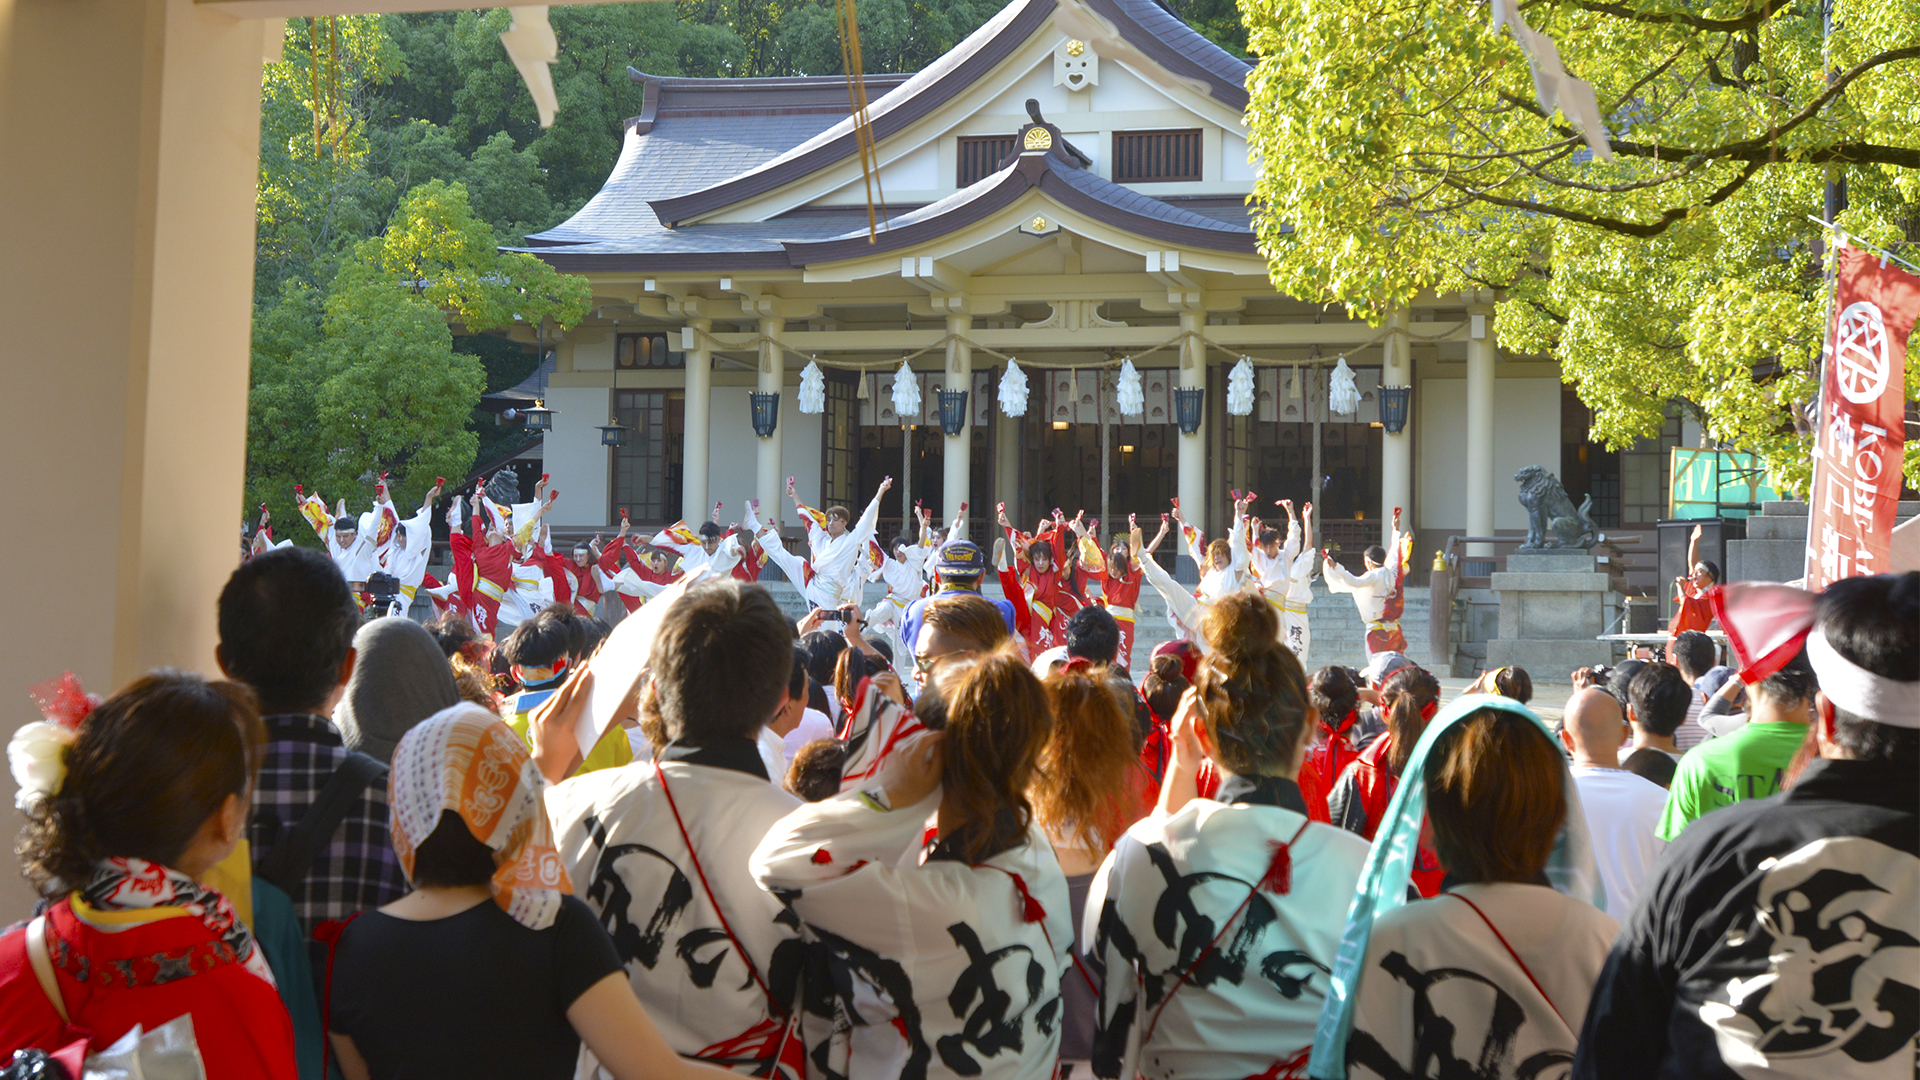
column 1141, row 157
column 980, row 155
column 646, row 351
column 840, row 456
column 646, row 471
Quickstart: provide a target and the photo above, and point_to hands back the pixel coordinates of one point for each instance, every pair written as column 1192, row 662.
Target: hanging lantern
column 539, row 418
column 1013, row 391
column 1240, row 389
column 953, row 411
column 613, row 435
column 1132, row 398
column 813, row 389
column 1395, row 401
column 1343, row 397
column 906, row 394
column 1189, row 405
column 766, row 413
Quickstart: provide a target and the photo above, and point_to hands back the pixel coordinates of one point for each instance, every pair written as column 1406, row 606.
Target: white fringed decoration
column 864, row 393
column 813, row 389
column 1343, row 398
column 1240, row 389
column 906, row 394
column 1133, row 399
column 1013, row 391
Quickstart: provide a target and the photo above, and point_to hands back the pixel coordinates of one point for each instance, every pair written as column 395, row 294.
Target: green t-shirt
column 1747, row 764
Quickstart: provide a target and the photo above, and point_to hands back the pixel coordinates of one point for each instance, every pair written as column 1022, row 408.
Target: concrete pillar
column 1396, row 451
column 1193, row 448
column 1480, row 352
column 694, row 503
column 957, row 453
column 132, row 131
column 771, row 484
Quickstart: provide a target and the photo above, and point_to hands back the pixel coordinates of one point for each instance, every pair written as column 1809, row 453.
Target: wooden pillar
column 770, row 484
column 1193, row 448
column 1396, row 451
column 129, row 155
column 1480, row 354
column 958, row 449
column 694, row 504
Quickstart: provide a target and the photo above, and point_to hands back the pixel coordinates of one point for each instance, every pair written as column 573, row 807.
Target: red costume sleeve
column 1022, row 614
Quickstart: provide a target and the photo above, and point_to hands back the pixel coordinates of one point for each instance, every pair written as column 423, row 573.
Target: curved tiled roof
column 1178, row 47
column 1071, row 187
column 926, row 90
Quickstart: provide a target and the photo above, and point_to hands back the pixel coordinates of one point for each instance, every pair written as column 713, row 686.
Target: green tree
column 366, row 379
column 895, row 35
column 1403, row 150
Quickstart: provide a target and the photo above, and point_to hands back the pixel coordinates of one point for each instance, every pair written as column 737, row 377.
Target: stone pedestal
column 1552, row 607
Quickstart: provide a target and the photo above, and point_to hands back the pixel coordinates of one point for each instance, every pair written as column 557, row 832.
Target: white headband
column 1859, row 691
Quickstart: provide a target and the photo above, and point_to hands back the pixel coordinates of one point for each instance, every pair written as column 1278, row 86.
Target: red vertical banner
column 1858, row 449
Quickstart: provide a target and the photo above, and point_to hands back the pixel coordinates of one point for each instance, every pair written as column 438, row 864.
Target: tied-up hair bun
column 37, row 753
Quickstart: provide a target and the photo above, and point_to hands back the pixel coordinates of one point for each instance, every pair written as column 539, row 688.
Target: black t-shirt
column 1655, row 765
column 473, row 995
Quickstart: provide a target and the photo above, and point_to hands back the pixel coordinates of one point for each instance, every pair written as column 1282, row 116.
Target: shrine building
column 1036, row 203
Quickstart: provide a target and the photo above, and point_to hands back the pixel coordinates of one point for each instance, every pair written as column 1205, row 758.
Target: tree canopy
column 1402, row 149
column 398, row 152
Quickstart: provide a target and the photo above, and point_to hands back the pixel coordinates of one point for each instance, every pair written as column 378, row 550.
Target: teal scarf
column 1383, row 882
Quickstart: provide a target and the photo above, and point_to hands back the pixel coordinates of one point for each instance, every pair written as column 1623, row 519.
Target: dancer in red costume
column 1119, row 577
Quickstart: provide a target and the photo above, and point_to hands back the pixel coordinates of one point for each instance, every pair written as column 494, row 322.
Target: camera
column 383, row 591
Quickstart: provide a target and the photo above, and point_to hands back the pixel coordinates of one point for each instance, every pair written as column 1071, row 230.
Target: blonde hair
column 1084, row 789
column 997, row 721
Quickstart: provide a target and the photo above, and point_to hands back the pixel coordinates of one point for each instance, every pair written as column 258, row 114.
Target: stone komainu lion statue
column 1552, row 519
column 503, row 487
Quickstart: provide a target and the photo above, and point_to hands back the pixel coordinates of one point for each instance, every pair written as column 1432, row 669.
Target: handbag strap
column 42, row 962
column 1524, row 970
column 286, row 865
column 660, row 771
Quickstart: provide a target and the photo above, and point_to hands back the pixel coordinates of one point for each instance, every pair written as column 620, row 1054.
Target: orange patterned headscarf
column 465, row 760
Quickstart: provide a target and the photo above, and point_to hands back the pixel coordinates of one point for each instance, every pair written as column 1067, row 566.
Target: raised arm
column 433, row 496
column 1237, row 535
column 870, row 517
column 1195, row 540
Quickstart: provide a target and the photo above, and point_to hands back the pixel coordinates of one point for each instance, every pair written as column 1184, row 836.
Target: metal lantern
column 766, row 413
column 1394, row 402
column 539, row 417
column 953, row 411
column 1189, row 405
column 613, row 435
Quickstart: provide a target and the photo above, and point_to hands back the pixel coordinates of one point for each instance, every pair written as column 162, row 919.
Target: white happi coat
column 1438, row 988
column 836, row 559
column 906, row 582
column 1167, row 890
column 945, row 976
column 1371, row 589
column 624, row 854
column 409, row 564
column 1217, row 583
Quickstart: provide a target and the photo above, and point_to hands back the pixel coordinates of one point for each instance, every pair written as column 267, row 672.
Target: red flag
column 1858, row 449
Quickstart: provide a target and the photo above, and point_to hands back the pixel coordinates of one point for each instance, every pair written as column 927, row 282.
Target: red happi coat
column 1375, row 784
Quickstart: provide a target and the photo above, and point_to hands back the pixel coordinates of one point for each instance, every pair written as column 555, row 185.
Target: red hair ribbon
column 63, row 702
column 1077, row 663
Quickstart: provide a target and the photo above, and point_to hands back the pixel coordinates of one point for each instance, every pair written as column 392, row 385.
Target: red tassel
column 821, row 858
column 1279, row 876
column 1030, row 909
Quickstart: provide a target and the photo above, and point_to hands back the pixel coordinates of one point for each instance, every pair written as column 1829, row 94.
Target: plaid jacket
column 358, row 869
